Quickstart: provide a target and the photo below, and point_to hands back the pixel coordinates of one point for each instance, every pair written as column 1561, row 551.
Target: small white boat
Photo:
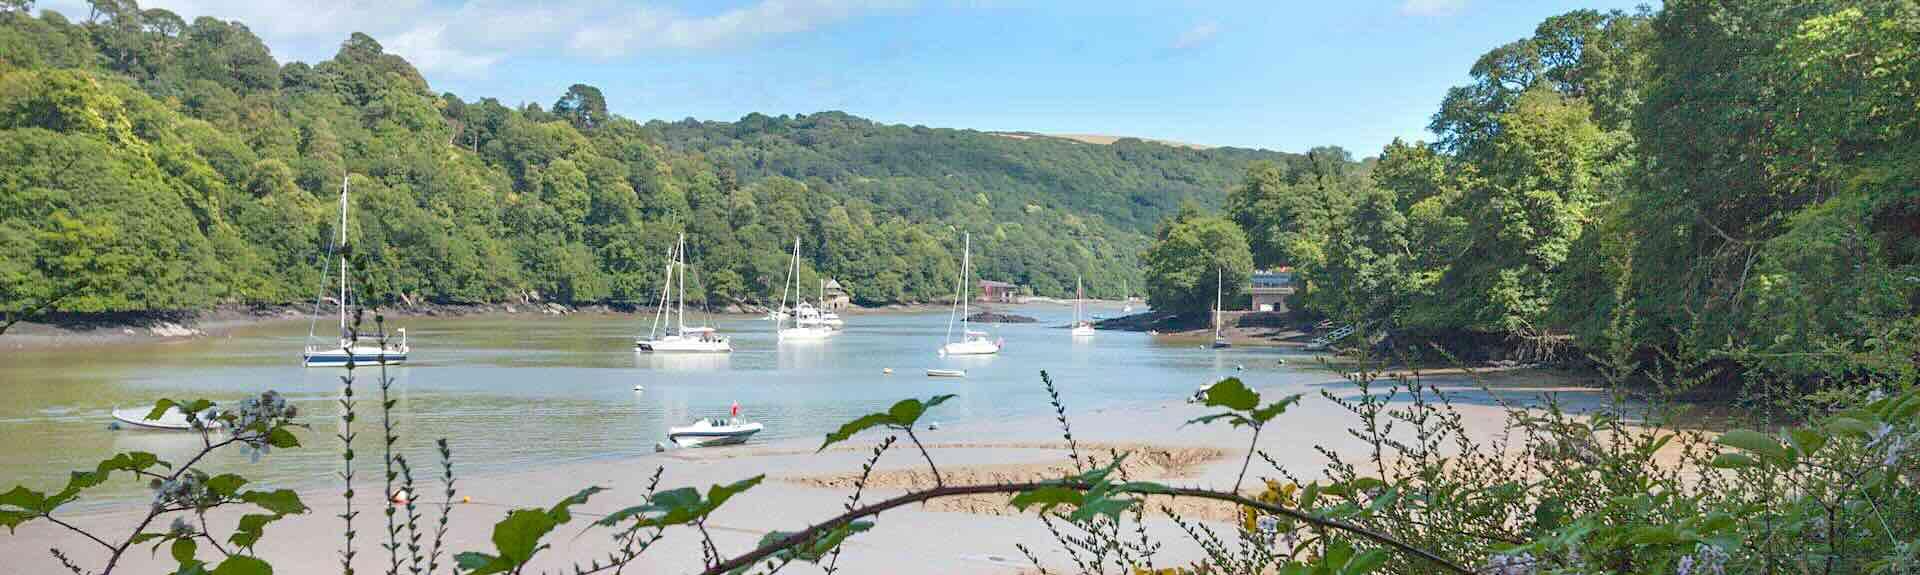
column 172, row 420
column 713, row 431
column 946, row 373
column 832, row 320
column 699, row 339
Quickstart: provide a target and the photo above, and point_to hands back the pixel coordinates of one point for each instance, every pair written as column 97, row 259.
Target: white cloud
column 644, row 28
column 1199, row 34
column 472, row 36
column 1431, row 7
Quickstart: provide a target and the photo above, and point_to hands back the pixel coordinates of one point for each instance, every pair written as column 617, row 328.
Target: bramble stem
column 818, row 529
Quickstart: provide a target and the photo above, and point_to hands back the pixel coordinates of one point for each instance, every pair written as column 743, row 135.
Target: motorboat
column 971, row 342
column 946, row 373
column 713, row 431
column 683, row 339
column 171, row 420
column 350, row 350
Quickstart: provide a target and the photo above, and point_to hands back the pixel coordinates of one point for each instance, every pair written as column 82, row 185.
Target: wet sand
column 975, row 535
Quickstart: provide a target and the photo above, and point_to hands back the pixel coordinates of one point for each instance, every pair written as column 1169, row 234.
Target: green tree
column 1192, row 254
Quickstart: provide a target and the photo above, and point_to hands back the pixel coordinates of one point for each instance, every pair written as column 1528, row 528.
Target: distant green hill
column 149, row 163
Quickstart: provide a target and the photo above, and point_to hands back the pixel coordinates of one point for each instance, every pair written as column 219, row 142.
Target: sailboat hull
column 810, row 333
column 970, row 347
column 675, row 344
column 1083, row 331
column 358, row 355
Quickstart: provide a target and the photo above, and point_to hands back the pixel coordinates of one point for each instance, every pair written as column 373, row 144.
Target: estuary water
column 512, row 392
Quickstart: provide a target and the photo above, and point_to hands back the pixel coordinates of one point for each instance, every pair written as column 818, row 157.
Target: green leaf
column 1269, row 411
column 850, row 428
column 1097, row 506
column 1047, row 497
column 817, row 548
column 282, row 438
column 517, row 537
column 1365, row 562
column 1142, row 487
column 904, row 413
column 1734, row 461
column 243, row 565
column 1236, row 419
column 252, row 526
column 183, row 550
column 226, row 484
column 1759, row 443
column 1231, row 394
column 26, row 499
column 12, row 519
column 559, row 511
column 1805, row 441
column 475, row 563
column 1657, row 535
column 281, row 501
column 1850, row 426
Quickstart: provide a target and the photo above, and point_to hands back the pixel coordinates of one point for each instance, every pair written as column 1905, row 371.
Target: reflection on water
column 528, row 390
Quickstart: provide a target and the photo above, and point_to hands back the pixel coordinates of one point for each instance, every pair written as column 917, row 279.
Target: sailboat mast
column 682, row 260
column 660, row 309
column 1219, row 278
column 343, row 255
column 966, row 273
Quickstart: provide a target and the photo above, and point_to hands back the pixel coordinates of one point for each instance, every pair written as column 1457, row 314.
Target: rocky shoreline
column 75, row 329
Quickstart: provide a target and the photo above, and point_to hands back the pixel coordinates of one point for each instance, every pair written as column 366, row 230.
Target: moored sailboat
column 971, row 342
column 1081, row 327
column 352, row 349
column 808, row 325
column 682, row 339
column 1219, row 340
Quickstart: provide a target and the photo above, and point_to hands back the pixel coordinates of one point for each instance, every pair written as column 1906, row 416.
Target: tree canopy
column 157, row 164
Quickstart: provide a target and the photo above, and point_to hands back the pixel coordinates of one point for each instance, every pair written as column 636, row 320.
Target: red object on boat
column 736, row 409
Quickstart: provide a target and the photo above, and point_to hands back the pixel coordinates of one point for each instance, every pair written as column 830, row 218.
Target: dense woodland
column 149, row 163
column 1735, row 184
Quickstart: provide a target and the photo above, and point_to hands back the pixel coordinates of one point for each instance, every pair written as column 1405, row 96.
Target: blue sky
column 1276, row 75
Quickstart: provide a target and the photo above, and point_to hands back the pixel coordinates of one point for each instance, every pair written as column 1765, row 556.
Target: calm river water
column 514, row 391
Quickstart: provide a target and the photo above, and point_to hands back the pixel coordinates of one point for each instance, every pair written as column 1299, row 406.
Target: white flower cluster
column 1890, row 442
column 1503, row 564
column 1705, row 560
column 186, row 491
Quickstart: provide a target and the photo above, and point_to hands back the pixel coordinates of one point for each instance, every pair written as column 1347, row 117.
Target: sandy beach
column 954, row 536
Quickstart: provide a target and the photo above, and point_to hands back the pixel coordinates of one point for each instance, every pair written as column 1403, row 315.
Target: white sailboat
column 971, row 342
column 807, row 323
column 827, row 317
column 681, row 339
column 362, row 351
column 1126, row 296
column 1219, row 341
column 1081, row 327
